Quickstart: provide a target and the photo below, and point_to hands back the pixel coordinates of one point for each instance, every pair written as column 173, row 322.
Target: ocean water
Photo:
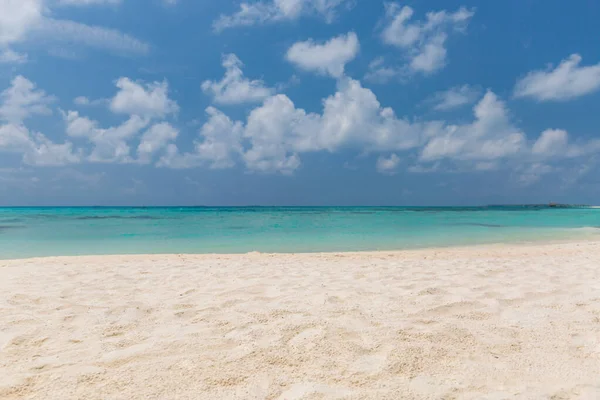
column 32, row 232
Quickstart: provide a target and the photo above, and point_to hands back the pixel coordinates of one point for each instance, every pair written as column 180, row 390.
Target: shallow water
column 29, row 232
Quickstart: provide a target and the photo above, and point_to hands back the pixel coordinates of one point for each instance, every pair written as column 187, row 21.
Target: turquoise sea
column 29, row 232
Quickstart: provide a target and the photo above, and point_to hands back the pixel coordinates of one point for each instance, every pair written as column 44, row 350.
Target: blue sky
column 298, row 102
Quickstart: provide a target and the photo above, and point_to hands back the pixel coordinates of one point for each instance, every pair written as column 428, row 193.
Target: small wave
column 9, row 227
column 11, row 220
column 481, row 225
column 591, row 229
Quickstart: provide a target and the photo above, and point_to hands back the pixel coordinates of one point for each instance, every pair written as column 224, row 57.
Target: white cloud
column 17, row 17
column 565, row 82
column 353, row 116
column 275, row 136
column 28, row 21
column 22, row 99
column 234, row 88
column 17, row 103
column 432, row 55
column 88, row 2
column 154, row 140
column 328, row 58
column 273, row 130
column 81, row 101
column 85, row 101
column 219, row 146
column 276, row 133
column 78, row 126
column 533, row 172
column 454, row 97
column 269, row 11
column 143, row 103
column 221, row 140
column 551, row 142
column 14, row 137
column 491, row 136
column 146, row 100
column 71, row 32
column 422, row 42
column 46, row 153
column 111, row 145
column 555, row 143
column 388, row 165
column 36, row 148
column 8, row 56
column 381, row 72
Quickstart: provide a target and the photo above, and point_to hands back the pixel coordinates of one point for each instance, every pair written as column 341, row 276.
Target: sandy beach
column 489, row 322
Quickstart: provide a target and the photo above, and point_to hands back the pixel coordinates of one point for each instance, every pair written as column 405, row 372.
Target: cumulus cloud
column 453, row 98
column 551, row 142
column 17, row 17
column 327, row 58
column 147, row 100
column 270, row 11
column 490, row 136
column 78, row 126
column 565, row 82
column 276, row 135
column 218, row 146
column 111, row 145
column 47, row 153
column 388, row 165
column 235, row 88
column 23, row 99
column 18, row 103
column 555, row 143
column 143, row 103
column 277, row 132
column 423, row 43
column 14, row 138
column 154, row 140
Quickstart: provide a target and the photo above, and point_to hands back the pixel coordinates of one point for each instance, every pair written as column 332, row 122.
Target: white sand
column 475, row 323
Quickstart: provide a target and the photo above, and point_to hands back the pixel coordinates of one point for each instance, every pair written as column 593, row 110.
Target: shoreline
column 481, row 246
column 498, row 321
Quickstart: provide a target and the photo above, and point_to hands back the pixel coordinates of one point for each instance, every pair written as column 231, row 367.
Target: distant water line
column 32, row 232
